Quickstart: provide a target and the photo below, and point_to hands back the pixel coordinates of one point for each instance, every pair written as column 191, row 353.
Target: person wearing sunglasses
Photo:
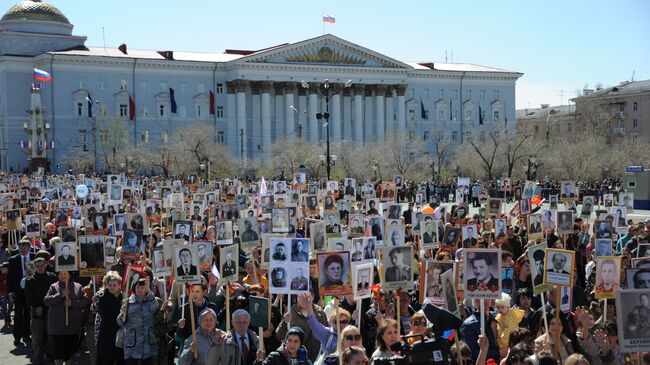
column 350, row 337
column 418, row 327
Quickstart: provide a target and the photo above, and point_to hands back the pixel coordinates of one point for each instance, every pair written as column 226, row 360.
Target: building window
column 102, row 110
column 569, row 127
column 495, row 116
column 198, row 111
column 426, row 94
column 441, row 93
column 162, row 111
column 145, row 136
column 221, row 138
column 103, row 135
column 102, row 85
column 635, row 106
column 411, row 93
column 82, row 136
column 621, row 123
column 164, row 138
column 468, row 115
column 200, row 87
column 468, row 94
column 144, row 86
column 124, row 112
column 145, row 112
column 635, row 138
column 496, row 94
column 219, row 112
column 635, row 124
column 454, row 136
column 621, row 107
column 411, row 115
column 425, row 136
column 219, row 88
column 80, row 109
column 441, row 115
column 163, row 86
column 123, row 85
column 455, row 115
column 482, row 94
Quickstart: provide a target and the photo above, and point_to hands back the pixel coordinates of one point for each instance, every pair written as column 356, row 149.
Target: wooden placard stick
column 193, row 327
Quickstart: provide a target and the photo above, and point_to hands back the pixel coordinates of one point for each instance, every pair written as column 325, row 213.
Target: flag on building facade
column 131, row 108
column 89, row 101
column 450, row 113
column 172, row 99
column 41, row 75
column 423, row 113
column 328, row 19
column 212, row 112
column 480, row 115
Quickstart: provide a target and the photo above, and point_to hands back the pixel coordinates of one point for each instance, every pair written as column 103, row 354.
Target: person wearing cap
column 16, row 272
column 36, row 288
column 298, row 317
column 136, row 318
column 65, row 293
column 291, row 351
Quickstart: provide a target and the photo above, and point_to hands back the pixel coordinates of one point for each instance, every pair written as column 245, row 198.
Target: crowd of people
column 136, row 307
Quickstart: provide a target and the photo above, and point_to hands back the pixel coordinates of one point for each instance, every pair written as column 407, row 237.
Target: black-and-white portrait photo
column 66, row 256
column 119, row 223
column 299, row 250
column 132, row 243
column 430, row 234
column 136, row 221
column 494, row 206
column 280, row 220
column 394, row 211
column 632, row 311
column 68, row 234
column 362, row 280
column 470, row 235
column 91, row 261
column 223, row 232
column 398, row 266
column 33, row 225
column 227, row 257
column 183, row 230
column 626, row 200
column 482, row 273
column 395, row 235
column 559, row 267
column 603, row 247
column 186, row 261
column 451, row 239
column 587, row 206
column 565, row 222
column 534, row 224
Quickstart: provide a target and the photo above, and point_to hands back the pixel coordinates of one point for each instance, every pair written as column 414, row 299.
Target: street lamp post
column 326, row 116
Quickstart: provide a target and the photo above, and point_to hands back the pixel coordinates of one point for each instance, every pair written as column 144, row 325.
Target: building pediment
column 324, row 50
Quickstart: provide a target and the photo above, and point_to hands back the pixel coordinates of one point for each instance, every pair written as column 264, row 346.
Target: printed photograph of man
column 481, row 271
column 66, row 257
column 430, row 234
column 608, row 275
column 565, row 224
column 250, row 230
column 33, row 225
column 185, row 266
column 559, row 267
column 228, row 268
column 119, row 223
column 279, row 251
column 356, row 225
column 183, row 231
column 399, row 265
column 299, row 281
column 299, row 250
column 470, row 235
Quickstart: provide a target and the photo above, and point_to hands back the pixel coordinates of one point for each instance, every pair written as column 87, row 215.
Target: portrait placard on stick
column 431, row 282
column 482, row 273
column 335, row 277
column 258, row 308
column 558, row 268
column 228, row 265
column 186, row 264
column 397, row 265
column 363, row 275
column 633, row 330
column 608, row 276
column 160, row 267
column 66, row 256
column 92, row 261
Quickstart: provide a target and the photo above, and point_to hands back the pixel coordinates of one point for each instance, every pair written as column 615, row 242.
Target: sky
column 559, row 46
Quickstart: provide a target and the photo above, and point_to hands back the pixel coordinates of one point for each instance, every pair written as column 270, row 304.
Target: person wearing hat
column 16, row 272
column 36, row 288
column 291, row 351
column 136, row 318
column 63, row 294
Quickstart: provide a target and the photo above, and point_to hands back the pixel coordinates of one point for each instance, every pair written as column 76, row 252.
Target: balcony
column 620, row 115
column 619, row 131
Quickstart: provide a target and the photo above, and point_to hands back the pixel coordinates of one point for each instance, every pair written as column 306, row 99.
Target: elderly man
column 245, row 340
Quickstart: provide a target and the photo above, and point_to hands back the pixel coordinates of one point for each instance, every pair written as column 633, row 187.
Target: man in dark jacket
column 35, row 289
column 17, row 268
column 471, row 329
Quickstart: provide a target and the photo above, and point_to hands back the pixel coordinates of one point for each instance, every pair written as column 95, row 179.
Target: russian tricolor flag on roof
column 41, row 75
column 328, row 19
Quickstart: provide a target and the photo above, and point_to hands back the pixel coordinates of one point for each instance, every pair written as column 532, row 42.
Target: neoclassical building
column 252, row 98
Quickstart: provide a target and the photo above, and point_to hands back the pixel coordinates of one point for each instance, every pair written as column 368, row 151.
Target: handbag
column 320, row 360
column 119, row 338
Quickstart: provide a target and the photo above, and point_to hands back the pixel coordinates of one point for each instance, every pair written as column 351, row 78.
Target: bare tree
column 487, row 152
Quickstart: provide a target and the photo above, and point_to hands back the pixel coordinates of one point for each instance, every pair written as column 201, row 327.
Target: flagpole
column 322, row 20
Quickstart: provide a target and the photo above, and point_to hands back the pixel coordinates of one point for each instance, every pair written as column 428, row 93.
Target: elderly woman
column 418, row 327
column 136, row 318
column 387, row 335
column 291, row 351
column 207, row 337
column 65, row 334
column 108, row 301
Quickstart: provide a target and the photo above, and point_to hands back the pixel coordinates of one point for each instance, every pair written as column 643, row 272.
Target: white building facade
column 257, row 97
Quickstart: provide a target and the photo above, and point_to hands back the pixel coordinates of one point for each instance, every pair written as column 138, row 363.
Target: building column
column 242, row 135
column 303, row 130
column 255, row 136
column 279, row 113
column 401, row 109
column 312, row 109
column 290, row 130
column 380, row 92
column 346, row 129
column 265, row 140
column 232, row 135
column 390, row 111
column 335, row 113
column 358, row 115
column 368, row 112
